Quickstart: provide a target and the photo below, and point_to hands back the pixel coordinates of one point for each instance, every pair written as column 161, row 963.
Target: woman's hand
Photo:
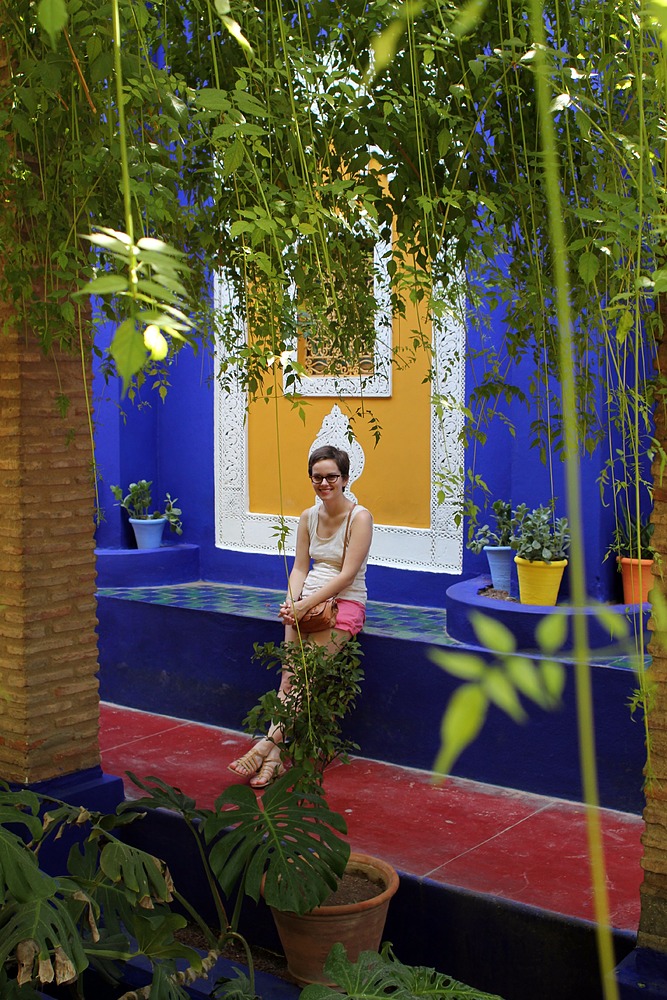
column 292, row 611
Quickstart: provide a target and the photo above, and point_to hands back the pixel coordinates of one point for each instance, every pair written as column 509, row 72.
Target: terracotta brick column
column 49, row 704
column 653, row 921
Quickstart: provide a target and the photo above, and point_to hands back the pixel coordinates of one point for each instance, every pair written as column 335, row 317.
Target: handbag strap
column 347, row 533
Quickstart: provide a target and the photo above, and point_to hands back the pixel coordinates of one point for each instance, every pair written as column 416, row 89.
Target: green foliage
column 286, row 832
column 377, row 976
column 151, row 296
column 503, row 681
column 506, row 524
column 111, row 905
column 301, row 869
column 138, row 501
column 290, row 165
column 541, row 537
column 323, row 688
column 633, row 537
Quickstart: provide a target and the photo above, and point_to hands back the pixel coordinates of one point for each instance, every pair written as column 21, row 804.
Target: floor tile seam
column 489, row 840
column 233, row 734
column 143, row 739
column 463, row 783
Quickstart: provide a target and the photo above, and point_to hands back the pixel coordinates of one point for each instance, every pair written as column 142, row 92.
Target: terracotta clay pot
column 635, row 591
column 308, row 939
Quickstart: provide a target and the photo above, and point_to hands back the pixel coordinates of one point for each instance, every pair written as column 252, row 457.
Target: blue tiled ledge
column 395, row 620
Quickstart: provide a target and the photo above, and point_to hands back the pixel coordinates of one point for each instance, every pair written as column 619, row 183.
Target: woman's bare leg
column 269, row 746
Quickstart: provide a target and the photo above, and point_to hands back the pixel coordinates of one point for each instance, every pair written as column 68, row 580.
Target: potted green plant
column 541, row 547
column 323, row 688
column 114, row 902
column 329, row 684
column 148, row 525
column 497, row 543
column 633, row 544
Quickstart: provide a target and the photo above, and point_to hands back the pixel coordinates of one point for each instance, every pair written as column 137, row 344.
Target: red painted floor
column 523, row 847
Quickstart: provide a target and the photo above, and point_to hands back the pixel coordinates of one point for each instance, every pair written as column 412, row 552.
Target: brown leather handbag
column 322, row 616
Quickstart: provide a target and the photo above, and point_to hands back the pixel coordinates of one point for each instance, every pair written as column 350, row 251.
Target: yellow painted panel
column 396, row 482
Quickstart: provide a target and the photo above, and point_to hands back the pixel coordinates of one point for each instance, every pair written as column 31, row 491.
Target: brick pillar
column 49, row 703
column 653, row 922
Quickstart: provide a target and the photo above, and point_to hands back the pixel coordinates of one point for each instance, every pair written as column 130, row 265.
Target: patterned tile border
column 397, row 620
column 400, row 621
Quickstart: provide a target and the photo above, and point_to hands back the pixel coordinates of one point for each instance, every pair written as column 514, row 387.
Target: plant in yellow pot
column 541, row 546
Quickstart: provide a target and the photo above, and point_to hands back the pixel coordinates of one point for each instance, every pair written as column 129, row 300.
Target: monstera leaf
column 163, row 986
column 161, row 795
column 20, row 877
column 289, row 836
column 46, row 927
column 376, row 976
column 154, row 933
column 139, row 872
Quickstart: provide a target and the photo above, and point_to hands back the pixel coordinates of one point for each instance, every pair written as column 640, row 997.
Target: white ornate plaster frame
column 379, row 383
column 438, row 548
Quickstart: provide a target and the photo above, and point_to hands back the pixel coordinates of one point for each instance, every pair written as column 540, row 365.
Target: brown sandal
column 271, row 769
column 248, row 764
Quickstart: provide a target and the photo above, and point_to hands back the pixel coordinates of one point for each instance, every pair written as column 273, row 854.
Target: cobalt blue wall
column 198, row 665
column 172, row 443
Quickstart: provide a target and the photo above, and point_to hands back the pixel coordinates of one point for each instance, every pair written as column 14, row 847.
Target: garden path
column 528, row 848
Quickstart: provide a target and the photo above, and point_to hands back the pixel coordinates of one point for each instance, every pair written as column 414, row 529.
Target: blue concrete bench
column 185, row 650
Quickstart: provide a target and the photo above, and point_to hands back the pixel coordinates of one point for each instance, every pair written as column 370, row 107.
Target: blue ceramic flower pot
column 148, row 533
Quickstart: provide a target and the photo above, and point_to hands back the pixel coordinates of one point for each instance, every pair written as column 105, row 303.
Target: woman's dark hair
column 340, row 457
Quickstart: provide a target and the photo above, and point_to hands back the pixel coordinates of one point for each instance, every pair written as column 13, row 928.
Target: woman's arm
column 358, row 546
column 299, row 569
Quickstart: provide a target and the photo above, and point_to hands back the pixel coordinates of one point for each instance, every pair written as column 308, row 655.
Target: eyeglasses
column 331, row 479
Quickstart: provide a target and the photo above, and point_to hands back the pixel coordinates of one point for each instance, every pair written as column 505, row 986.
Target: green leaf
column 461, row 723
column 154, row 933
column 375, row 976
column 233, row 158
column 551, row 632
column 589, row 265
column 49, row 924
column 214, row 100
column 106, row 284
column 20, row 876
column 293, row 838
column 492, row 634
column 502, row 693
column 164, row 987
column 467, row 666
column 553, row 677
column 161, row 795
column 139, row 872
column 52, row 17
column 617, row 624
column 128, row 351
column 525, row 676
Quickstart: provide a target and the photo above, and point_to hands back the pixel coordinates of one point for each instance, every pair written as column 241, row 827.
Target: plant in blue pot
column 148, row 525
column 498, row 543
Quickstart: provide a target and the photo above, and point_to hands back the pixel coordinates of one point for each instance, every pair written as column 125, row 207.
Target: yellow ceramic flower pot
column 539, row 582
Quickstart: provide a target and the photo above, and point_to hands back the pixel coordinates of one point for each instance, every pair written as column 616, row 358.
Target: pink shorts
column 351, row 616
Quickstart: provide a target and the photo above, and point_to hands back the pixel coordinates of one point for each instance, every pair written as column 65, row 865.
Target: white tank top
column 327, row 556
